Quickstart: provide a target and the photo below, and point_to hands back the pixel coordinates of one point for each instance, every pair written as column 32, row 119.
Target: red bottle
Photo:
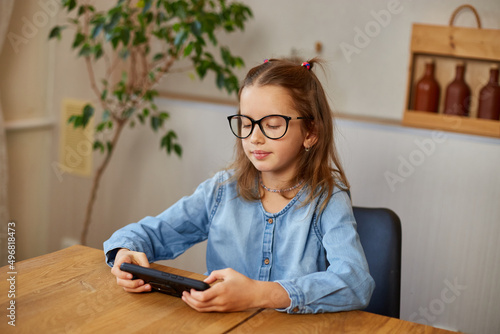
column 489, row 98
column 427, row 91
column 457, row 101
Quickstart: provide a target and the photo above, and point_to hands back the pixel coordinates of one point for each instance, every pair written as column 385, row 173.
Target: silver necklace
column 280, row 190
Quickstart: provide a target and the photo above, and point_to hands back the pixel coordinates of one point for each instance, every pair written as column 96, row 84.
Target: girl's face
column 276, row 159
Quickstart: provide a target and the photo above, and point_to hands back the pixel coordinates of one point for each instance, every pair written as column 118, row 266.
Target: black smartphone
column 164, row 282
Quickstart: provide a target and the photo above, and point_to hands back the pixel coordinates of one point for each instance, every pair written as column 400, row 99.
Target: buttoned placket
column 267, row 249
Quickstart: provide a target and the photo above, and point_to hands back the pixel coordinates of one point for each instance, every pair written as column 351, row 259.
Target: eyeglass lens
column 273, row 127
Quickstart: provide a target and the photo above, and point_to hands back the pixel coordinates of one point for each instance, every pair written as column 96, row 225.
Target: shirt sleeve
column 172, row 232
column 346, row 284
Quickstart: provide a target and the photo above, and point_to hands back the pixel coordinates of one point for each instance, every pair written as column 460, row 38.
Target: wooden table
column 73, row 291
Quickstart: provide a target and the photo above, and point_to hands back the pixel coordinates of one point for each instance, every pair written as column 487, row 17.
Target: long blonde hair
column 320, row 167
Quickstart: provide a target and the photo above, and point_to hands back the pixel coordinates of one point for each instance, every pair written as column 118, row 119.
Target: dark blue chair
column 379, row 230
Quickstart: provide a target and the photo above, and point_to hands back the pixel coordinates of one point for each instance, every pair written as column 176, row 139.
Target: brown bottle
column 427, row 91
column 489, row 98
column 457, row 101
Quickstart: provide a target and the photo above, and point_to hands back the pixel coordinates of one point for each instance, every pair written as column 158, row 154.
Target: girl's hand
column 123, row 278
column 236, row 292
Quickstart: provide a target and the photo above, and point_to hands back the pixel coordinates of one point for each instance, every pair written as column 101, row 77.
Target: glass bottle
column 427, row 91
column 489, row 97
column 457, row 101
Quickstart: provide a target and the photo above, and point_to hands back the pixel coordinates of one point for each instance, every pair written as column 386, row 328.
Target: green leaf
column 104, row 93
column 196, row 28
column 151, row 76
column 79, row 39
column 221, row 80
column 85, row 50
column 212, row 37
column 125, row 36
column 98, row 52
column 56, row 32
column 180, row 38
column 178, row 149
column 75, row 119
column 106, row 115
column 150, row 94
column 188, row 49
column 139, row 38
column 158, row 56
column 115, row 18
column 82, row 10
column 129, row 112
column 238, row 62
column 88, row 112
column 226, row 56
column 202, row 68
column 96, row 30
column 180, row 9
column 167, row 142
column 156, row 123
column 145, row 5
column 109, row 146
column 98, row 146
column 232, row 84
column 176, row 27
column 141, row 118
column 100, row 127
column 70, row 4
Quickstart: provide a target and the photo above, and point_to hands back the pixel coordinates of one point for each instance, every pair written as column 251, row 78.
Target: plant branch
column 97, row 180
column 93, row 83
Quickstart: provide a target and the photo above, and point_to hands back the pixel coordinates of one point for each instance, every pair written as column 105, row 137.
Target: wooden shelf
column 475, row 126
column 447, row 45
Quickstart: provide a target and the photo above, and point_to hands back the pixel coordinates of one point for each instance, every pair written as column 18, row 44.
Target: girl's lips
column 259, row 155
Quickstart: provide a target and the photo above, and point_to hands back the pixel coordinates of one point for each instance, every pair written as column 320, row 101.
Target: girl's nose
column 256, row 137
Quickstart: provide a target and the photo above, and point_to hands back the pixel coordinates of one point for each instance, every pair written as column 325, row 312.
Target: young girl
column 279, row 222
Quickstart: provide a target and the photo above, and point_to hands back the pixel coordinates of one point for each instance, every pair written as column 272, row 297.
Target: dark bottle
column 457, row 101
column 427, row 91
column 489, row 98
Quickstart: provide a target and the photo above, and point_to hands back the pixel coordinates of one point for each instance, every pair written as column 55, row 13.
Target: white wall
column 448, row 203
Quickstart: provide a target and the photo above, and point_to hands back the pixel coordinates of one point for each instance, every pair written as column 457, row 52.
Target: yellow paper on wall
column 76, row 144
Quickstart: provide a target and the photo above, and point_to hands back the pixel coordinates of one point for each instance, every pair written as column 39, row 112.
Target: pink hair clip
column 306, row 65
column 266, row 60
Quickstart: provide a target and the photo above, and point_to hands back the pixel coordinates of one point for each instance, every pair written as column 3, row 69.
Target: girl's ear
column 310, row 139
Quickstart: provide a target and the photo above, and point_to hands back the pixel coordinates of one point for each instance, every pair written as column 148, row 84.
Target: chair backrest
column 379, row 230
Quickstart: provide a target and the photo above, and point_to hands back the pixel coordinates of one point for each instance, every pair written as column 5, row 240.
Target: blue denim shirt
column 317, row 258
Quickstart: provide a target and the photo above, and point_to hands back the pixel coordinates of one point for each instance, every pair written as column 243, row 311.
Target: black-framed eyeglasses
column 272, row 126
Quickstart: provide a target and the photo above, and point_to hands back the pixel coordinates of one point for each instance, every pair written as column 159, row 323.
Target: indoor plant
column 137, row 43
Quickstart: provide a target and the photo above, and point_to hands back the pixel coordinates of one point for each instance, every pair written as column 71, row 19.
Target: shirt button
column 270, row 220
column 266, row 261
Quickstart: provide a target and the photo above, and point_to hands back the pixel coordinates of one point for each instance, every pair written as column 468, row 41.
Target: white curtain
column 5, row 13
